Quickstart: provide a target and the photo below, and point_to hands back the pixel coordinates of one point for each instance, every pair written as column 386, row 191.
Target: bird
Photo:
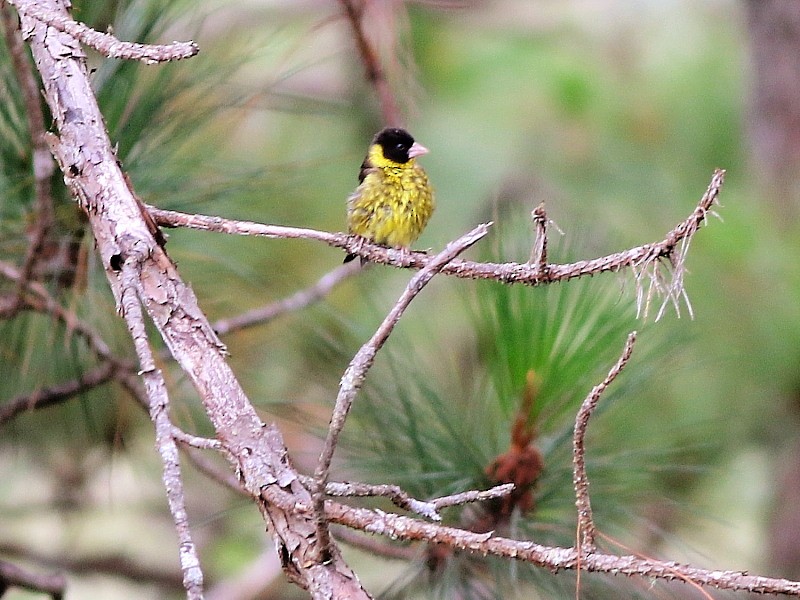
column 394, row 199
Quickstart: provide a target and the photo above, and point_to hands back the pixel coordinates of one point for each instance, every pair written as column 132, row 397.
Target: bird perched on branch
column 394, row 200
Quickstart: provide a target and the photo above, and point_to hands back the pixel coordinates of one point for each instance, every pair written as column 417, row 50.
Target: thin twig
column 497, row 491
column 376, row 75
column 511, row 272
column 159, row 413
column 40, row 300
column 539, row 251
column 254, row 580
column 12, row 575
column 116, row 565
column 41, row 159
column 105, row 43
column 295, row 302
column 179, row 435
column 375, row 546
column 211, row 470
column 356, row 371
column 173, row 218
column 579, row 478
column 399, row 497
column 58, row 393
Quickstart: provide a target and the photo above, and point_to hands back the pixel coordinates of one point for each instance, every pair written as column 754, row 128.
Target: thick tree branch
column 86, row 157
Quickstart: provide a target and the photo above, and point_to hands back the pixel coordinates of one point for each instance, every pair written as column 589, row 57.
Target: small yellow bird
column 394, row 200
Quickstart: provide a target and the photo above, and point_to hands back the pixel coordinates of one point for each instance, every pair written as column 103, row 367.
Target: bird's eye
column 399, row 146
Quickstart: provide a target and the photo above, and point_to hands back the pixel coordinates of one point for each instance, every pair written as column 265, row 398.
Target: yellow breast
column 392, row 205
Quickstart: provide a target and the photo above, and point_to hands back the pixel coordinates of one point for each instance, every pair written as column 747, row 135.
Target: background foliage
column 612, row 113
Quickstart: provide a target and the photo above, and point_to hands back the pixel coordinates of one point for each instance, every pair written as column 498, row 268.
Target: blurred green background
column 612, row 113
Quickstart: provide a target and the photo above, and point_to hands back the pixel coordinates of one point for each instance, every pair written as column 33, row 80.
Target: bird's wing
column 366, row 169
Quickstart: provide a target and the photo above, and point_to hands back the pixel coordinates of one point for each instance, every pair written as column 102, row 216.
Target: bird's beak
column 417, row 150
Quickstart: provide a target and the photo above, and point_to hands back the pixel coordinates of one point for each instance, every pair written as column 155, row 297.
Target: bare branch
column 56, row 394
column 579, row 478
column 159, row 413
column 253, row 581
column 179, row 435
column 14, row 576
column 297, row 301
column 105, row 43
column 173, row 219
column 116, row 565
column 42, row 161
column 354, row 11
column 401, row 498
column 211, row 470
column 356, row 371
column 539, row 251
column 497, row 491
column 92, row 172
column 40, row 300
column 549, row 557
column 527, row 274
column 375, row 546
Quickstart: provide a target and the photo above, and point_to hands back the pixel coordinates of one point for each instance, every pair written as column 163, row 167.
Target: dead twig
column 356, row 371
column 158, row 401
column 292, row 303
column 12, row 575
column 375, row 546
column 579, row 478
column 375, row 73
column 639, row 258
column 116, row 565
column 539, row 250
column 552, row 558
column 56, row 394
column 400, row 498
column 105, row 43
column 41, row 159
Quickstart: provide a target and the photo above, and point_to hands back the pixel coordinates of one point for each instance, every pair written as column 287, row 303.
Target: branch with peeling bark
column 126, row 245
column 105, row 43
